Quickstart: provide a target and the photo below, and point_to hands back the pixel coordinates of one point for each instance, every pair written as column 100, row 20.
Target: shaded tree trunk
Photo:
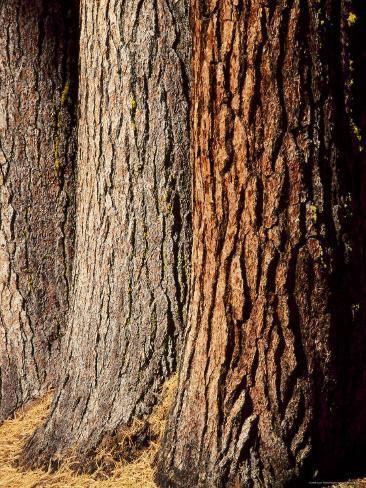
column 133, row 223
column 37, row 146
column 277, row 305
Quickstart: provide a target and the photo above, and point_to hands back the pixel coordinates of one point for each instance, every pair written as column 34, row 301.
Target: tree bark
column 133, row 223
column 37, row 147
column 278, row 271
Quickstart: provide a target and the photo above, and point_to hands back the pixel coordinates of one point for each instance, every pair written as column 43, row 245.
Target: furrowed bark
column 37, row 147
column 278, row 271
column 133, row 223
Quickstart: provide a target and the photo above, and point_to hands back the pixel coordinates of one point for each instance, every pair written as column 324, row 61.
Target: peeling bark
column 37, row 147
column 275, row 332
column 133, row 223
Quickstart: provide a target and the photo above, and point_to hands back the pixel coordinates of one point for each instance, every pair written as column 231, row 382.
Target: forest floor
column 137, row 474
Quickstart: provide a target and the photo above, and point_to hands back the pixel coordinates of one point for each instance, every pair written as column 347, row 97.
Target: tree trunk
column 277, row 304
column 133, row 223
column 37, row 147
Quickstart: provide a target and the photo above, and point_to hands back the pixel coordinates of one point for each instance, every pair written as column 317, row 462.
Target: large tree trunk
column 133, row 222
column 38, row 44
column 261, row 399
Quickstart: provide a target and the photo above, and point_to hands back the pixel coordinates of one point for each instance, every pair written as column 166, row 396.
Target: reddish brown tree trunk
column 38, row 56
column 133, row 223
column 265, row 380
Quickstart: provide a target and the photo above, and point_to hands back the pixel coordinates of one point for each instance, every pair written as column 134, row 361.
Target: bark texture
column 277, row 308
column 133, row 222
column 37, row 147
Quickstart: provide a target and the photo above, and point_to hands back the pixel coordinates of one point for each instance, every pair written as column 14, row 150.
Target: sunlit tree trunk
column 277, row 306
column 38, row 60
column 133, row 223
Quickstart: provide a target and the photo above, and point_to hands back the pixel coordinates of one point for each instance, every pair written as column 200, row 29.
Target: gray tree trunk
column 133, row 222
column 38, row 56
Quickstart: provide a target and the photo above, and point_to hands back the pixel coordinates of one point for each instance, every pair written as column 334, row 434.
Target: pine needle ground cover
column 138, row 473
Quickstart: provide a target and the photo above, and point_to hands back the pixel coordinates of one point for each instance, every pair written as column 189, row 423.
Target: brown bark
column 277, row 267
column 37, row 147
column 133, row 223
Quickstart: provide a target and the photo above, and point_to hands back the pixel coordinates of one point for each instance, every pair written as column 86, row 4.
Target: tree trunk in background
column 277, row 260
column 133, row 222
column 38, row 45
